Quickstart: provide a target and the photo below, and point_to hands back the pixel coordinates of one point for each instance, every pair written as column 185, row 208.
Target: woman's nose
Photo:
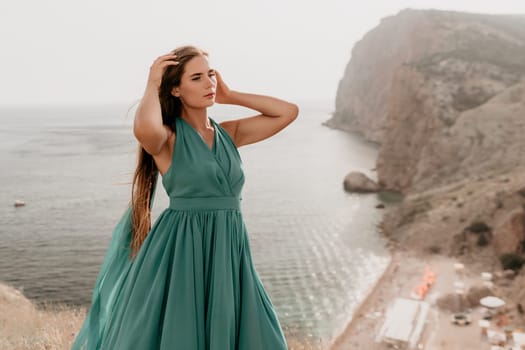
column 211, row 81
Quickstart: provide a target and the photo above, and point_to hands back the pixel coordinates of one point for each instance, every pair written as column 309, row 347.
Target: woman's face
column 197, row 84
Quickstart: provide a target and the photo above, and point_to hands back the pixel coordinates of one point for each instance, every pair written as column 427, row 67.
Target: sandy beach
column 403, row 273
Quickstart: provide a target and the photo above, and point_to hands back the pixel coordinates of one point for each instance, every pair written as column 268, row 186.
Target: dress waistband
column 185, row 203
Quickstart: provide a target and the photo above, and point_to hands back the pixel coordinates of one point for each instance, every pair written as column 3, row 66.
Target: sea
column 316, row 247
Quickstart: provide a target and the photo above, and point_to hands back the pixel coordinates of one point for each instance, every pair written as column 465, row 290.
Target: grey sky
column 69, row 51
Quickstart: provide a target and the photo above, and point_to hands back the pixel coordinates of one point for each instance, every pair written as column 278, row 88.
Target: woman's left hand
column 222, row 92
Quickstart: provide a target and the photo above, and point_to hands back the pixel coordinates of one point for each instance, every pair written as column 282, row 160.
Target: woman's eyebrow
column 197, row 74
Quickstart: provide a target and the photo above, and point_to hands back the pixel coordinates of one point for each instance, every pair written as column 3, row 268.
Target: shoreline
column 404, row 272
column 368, row 300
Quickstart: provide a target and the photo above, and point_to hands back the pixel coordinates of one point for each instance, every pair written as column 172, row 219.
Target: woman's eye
column 197, row 78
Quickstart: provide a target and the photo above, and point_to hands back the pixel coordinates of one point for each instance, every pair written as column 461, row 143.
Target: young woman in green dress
column 187, row 281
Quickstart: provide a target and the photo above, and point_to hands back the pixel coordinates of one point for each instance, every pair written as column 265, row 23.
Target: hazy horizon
column 71, row 53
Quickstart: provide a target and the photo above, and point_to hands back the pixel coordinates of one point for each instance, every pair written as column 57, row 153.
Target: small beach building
column 404, row 323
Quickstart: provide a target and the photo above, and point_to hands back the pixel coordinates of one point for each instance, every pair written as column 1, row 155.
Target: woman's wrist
column 152, row 86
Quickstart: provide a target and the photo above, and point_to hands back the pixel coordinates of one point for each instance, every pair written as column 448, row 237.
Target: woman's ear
column 175, row 92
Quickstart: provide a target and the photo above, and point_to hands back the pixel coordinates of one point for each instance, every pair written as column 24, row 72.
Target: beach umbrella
column 491, row 302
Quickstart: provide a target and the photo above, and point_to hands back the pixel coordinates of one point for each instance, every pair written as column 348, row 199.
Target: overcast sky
column 99, row 52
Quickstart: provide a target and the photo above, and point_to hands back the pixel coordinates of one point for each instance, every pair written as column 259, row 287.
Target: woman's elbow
column 292, row 111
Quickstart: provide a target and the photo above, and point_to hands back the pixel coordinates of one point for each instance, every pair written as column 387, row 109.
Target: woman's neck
column 198, row 118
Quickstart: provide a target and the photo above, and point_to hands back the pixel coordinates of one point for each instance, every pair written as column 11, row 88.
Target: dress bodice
column 196, row 171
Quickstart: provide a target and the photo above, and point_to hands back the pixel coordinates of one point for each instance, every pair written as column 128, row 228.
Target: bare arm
column 148, row 127
column 275, row 115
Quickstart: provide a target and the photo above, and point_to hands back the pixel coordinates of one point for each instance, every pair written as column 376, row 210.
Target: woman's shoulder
column 229, row 127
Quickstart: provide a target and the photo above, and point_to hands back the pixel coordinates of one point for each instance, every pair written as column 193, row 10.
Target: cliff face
column 442, row 93
column 422, row 151
column 363, row 92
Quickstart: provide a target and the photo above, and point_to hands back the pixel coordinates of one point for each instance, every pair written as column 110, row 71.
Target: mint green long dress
column 193, row 284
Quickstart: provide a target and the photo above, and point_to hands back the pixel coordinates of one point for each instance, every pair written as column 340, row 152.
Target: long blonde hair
column 146, row 173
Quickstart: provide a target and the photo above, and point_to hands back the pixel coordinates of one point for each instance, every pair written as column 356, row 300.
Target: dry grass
column 23, row 325
column 295, row 344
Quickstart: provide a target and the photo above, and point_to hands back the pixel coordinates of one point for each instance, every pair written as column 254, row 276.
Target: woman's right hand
column 158, row 67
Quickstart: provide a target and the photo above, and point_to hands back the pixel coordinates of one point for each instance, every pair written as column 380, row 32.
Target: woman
column 188, row 282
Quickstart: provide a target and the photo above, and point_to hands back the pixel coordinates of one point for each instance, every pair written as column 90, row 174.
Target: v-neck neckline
column 214, row 142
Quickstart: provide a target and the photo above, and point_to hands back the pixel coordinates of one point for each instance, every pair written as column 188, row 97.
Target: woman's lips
column 210, row 95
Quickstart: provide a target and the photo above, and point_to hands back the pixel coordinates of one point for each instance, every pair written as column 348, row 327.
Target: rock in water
column 19, row 203
column 359, row 182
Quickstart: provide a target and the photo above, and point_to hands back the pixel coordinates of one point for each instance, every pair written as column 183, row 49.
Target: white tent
column 492, row 302
column 404, row 322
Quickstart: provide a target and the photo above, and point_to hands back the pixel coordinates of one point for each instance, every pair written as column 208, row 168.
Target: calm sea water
column 315, row 247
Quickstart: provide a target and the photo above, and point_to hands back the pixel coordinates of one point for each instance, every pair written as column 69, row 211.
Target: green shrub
column 434, row 249
column 478, row 227
column 483, row 239
column 512, row 261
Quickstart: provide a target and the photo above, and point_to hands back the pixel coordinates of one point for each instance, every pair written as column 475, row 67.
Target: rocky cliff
column 443, row 94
